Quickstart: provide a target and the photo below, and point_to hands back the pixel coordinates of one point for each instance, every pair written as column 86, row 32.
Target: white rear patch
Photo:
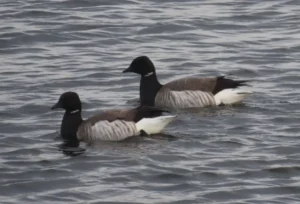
column 231, row 96
column 154, row 125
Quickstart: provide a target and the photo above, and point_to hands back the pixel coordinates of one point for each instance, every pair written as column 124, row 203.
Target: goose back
column 192, row 83
column 209, row 84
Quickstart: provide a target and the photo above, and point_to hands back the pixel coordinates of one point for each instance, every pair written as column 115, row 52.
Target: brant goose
column 185, row 92
column 113, row 125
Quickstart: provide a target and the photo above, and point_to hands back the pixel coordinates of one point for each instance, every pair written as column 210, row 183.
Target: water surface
column 241, row 154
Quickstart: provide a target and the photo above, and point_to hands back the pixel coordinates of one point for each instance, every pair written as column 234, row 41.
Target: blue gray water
column 241, row 154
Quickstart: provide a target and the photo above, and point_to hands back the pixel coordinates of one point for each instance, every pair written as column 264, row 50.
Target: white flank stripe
column 104, row 130
column 184, row 99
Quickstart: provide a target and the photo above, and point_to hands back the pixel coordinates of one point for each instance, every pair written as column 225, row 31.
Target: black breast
column 69, row 127
column 149, row 87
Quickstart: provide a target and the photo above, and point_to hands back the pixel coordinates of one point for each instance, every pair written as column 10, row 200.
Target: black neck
column 69, row 126
column 149, row 86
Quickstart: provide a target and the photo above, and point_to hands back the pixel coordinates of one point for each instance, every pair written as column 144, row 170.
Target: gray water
column 241, row 154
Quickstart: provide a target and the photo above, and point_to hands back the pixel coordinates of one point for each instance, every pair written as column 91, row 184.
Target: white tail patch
column 231, row 96
column 154, row 125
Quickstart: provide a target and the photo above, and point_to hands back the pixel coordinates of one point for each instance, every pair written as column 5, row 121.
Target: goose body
column 185, row 92
column 112, row 125
column 116, row 125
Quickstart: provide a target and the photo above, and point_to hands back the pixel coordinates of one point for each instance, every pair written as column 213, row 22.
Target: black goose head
column 149, row 85
column 70, row 102
column 141, row 65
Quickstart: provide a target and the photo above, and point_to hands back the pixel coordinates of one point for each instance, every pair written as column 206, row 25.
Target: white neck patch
column 149, row 74
column 74, row 111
